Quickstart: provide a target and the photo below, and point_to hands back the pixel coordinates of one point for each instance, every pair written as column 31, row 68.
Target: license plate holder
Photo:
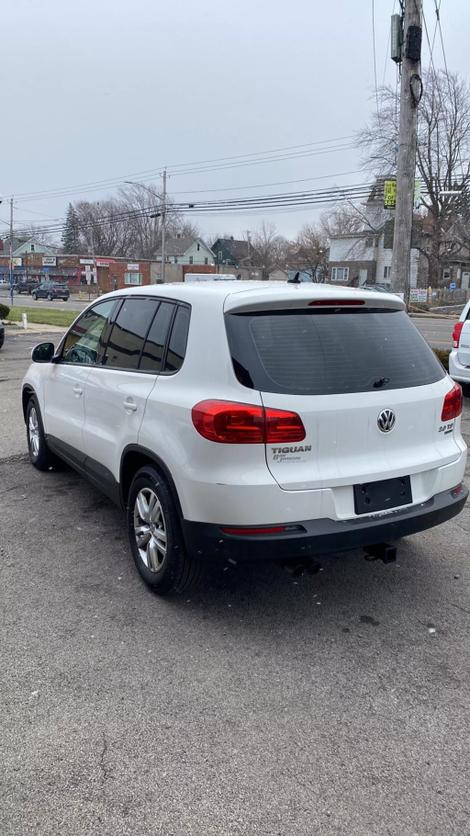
column 380, row 496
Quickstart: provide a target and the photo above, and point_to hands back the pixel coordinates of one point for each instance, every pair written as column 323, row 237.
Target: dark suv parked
column 27, row 285
column 51, row 290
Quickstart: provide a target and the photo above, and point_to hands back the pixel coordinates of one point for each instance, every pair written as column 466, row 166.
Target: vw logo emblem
column 386, row 420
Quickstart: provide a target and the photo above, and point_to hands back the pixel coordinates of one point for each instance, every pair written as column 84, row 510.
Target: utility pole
column 11, row 251
column 410, row 95
column 163, row 224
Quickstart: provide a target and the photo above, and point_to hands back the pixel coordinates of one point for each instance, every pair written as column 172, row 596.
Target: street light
column 161, row 214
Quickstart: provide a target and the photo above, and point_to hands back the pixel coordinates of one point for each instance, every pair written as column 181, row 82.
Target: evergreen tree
column 71, row 233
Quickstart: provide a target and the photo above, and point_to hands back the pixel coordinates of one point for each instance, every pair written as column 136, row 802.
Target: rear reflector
column 252, row 532
column 452, row 406
column 335, row 303
column 241, row 423
column 456, row 333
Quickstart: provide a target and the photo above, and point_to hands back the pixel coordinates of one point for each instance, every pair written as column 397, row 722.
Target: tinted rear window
column 329, row 352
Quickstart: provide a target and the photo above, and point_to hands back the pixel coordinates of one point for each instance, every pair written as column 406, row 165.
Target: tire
column 50, row 297
column 466, row 389
column 39, row 454
column 161, row 558
column 35, row 296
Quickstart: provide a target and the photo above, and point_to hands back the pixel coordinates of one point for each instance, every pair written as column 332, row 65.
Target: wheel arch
column 26, row 394
column 133, row 458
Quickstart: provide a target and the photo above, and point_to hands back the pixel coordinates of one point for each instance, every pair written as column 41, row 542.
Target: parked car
column 51, row 291
column 2, row 334
column 459, row 358
column 254, row 420
column 27, row 285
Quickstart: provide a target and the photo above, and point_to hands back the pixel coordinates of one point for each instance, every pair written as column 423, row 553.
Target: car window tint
column 129, row 332
column 329, row 352
column 178, row 340
column 152, row 354
column 86, row 339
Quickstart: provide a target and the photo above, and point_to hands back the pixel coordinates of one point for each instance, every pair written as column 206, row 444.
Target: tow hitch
column 381, row 551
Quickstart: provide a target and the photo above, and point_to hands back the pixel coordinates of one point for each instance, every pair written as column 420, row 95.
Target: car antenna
column 295, row 279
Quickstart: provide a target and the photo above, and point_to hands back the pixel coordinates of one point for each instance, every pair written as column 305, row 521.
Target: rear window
column 327, row 352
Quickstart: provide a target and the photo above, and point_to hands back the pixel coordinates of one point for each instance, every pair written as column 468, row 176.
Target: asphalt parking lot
column 337, row 703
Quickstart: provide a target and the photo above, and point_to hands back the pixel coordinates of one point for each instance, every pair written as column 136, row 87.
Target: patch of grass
column 43, row 316
column 443, row 356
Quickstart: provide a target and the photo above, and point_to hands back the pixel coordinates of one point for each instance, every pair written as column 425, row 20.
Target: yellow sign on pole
column 390, row 194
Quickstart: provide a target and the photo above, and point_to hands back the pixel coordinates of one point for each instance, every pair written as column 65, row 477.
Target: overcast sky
column 105, row 89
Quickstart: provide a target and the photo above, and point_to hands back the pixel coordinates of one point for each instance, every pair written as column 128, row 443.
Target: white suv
column 250, row 420
column 459, row 358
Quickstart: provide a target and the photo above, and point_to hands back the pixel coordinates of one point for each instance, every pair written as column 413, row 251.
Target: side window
column 152, row 355
column 129, row 333
column 178, row 340
column 86, row 340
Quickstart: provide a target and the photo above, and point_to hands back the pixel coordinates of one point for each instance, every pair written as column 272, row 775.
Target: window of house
column 339, row 274
column 191, row 259
column 32, row 248
column 128, row 334
column 198, row 247
column 206, row 261
column 387, row 272
column 176, row 260
column 132, row 278
column 152, row 355
column 87, row 338
column 178, row 340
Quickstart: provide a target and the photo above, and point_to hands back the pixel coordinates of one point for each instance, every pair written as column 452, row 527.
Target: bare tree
column 311, row 249
column 267, row 249
column 130, row 224
column 443, row 162
column 341, row 219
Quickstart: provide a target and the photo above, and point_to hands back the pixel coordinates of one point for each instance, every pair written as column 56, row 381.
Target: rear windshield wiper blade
column 381, row 381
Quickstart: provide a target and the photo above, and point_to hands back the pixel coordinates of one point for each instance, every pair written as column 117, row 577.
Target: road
column 437, row 331
column 337, row 703
column 73, row 304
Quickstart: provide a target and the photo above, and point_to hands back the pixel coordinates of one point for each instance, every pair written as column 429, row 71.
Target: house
column 278, row 274
column 186, row 250
column 231, row 253
column 365, row 256
column 34, row 246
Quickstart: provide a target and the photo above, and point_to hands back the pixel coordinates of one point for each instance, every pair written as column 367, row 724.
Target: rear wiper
column 381, row 381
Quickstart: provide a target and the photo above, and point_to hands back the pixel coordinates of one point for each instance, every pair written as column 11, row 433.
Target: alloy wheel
column 150, row 529
column 33, row 432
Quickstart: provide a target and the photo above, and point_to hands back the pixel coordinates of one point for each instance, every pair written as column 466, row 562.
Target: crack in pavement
column 104, row 769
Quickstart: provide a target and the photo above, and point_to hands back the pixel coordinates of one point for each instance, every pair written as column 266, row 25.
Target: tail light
column 456, row 333
column 241, row 423
column 452, row 406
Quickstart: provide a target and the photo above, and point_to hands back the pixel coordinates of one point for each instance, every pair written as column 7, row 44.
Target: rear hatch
column 365, row 384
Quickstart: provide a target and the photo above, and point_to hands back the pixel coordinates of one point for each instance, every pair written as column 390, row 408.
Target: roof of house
column 178, row 246
column 238, row 249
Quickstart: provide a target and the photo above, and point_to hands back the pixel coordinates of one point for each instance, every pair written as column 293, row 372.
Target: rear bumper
column 457, row 371
column 315, row 537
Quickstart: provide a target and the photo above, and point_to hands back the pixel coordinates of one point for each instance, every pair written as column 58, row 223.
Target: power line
column 190, row 166
column 266, row 185
column 259, row 202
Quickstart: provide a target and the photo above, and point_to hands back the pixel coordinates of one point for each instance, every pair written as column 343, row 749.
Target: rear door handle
column 130, row 406
column 78, row 391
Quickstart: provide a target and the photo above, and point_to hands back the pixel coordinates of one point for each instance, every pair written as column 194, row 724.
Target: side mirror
column 43, row 353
